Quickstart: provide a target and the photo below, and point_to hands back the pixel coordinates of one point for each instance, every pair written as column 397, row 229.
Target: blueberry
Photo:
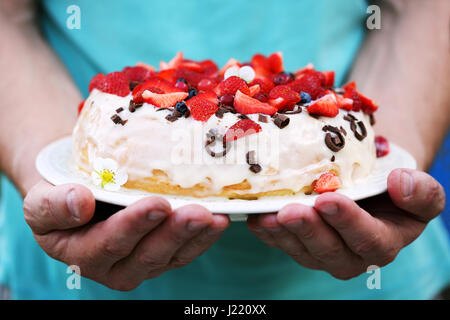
column 281, row 78
column 305, row 97
column 181, row 107
column 192, row 93
column 182, row 80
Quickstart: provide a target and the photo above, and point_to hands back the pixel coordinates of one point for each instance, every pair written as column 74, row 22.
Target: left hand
column 342, row 237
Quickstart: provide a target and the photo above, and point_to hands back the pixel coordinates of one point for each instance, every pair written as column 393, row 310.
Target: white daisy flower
column 108, row 175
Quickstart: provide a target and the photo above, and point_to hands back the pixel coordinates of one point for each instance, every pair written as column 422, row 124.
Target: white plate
column 53, row 164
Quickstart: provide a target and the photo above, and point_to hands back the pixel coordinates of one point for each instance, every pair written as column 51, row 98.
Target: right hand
column 136, row 243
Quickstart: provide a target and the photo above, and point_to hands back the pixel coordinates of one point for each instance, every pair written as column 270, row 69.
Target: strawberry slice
column 254, row 89
column 265, row 83
column 241, row 129
column 95, row 81
column 210, row 68
column 208, row 95
column 282, row 96
column 80, row 106
column 360, row 101
column 260, row 61
column 201, row 108
column 275, row 62
column 382, row 146
column 247, row 105
column 309, row 67
column 325, row 106
column 137, row 73
column 327, row 182
column 172, row 64
column 167, row 74
column 231, row 85
column 146, row 66
column 328, row 81
column 206, row 84
column 163, row 100
column 113, row 83
column 163, row 85
column 191, row 65
column 309, row 82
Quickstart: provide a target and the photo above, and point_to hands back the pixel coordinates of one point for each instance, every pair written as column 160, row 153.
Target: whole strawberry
column 113, row 83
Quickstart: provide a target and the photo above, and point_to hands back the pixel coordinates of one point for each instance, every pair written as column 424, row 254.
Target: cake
column 247, row 130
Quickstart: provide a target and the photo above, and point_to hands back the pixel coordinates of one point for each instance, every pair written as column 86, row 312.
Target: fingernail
column 72, row 204
column 195, row 226
column 406, row 183
column 156, row 215
column 329, row 209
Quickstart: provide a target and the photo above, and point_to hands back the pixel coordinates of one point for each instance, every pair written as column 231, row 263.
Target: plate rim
column 276, row 203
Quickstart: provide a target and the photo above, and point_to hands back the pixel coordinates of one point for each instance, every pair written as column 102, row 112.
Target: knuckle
column 308, row 234
column 149, row 262
column 331, row 253
column 368, row 244
column 346, row 275
column 114, row 250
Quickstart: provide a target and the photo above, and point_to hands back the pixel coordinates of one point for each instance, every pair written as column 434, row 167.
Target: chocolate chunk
column 172, row 117
column 281, row 120
column 315, row 116
column 134, row 84
column 132, row 106
column 119, row 110
column 116, row 119
column 372, row 119
column 343, row 131
column 251, row 157
column 363, row 134
column 161, row 109
column 242, row 116
column 333, row 158
column 219, row 113
column 255, row 168
column 262, row 118
column 187, row 113
column 297, row 109
column 336, row 142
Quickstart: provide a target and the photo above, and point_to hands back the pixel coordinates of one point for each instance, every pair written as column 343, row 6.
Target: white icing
column 295, row 156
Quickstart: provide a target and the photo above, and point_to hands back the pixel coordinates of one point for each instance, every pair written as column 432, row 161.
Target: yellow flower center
column 106, row 176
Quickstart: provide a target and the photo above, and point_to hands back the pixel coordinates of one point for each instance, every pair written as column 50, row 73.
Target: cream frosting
column 291, row 158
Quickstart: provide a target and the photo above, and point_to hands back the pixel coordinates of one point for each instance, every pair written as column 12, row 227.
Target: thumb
column 416, row 192
column 47, row 207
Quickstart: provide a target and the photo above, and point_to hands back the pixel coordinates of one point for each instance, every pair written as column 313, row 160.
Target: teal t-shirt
column 117, row 33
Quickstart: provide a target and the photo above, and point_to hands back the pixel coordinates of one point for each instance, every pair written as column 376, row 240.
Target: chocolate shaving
column 172, row 117
column 255, row 168
column 281, row 120
column 133, row 106
column 336, row 142
column 134, row 84
column 119, row 110
column 212, row 137
column 187, row 113
column 363, row 134
column 343, row 130
column 333, row 158
column 372, row 119
column 251, row 157
column 242, row 116
column 161, row 109
column 262, row 118
column 219, row 113
column 117, row 119
column 315, row 116
column 298, row 109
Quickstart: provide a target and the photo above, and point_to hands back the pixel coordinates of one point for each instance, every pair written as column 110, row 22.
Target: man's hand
column 342, row 238
column 136, row 243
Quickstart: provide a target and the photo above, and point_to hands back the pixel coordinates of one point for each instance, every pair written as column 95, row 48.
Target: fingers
column 200, row 243
column 373, row 239
column 320, row 240
column 154, row 253
column 96, row 248
column 48, row 207
column 416, row 192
